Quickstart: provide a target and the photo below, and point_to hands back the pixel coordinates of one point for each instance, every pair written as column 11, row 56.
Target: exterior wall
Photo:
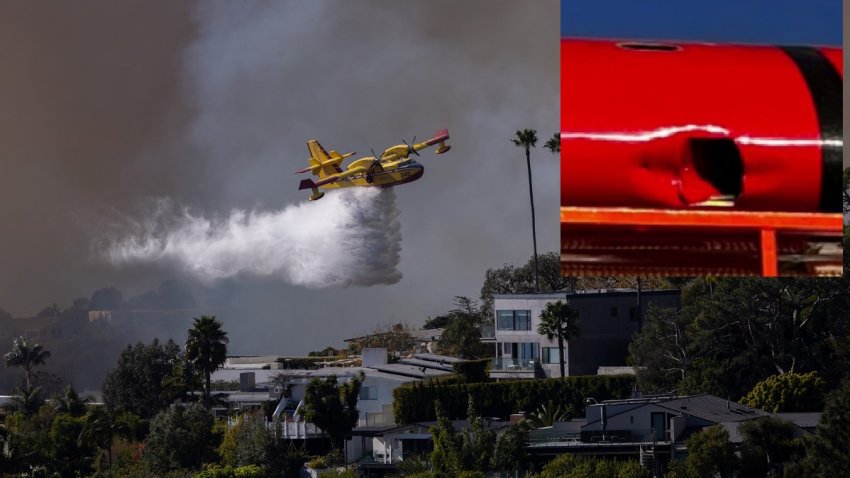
column 384, row 395
column 636, row 419
column 607, row 320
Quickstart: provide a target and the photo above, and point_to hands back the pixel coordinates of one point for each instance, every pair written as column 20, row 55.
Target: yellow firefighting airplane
column 394, row 166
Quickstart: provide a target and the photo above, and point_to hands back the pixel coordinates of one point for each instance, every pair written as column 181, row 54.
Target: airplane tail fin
column 322, row 163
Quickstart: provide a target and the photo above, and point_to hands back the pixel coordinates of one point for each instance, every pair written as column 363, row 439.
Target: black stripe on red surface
column 825, row 86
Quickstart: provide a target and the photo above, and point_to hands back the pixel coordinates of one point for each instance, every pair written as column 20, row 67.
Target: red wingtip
column 439, row 137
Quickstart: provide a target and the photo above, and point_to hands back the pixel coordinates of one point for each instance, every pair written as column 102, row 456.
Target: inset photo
column 692, row 145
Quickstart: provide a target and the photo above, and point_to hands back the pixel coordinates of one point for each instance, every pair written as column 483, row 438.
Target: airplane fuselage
column 393, row 174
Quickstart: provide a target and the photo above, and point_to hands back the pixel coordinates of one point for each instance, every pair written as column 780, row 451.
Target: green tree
column 27, row 356
column 180, row 437
column 70, row 456
column 27, row 441
column 827, row 454
column 509, row 452
column 446, row 459
column 27, row 401
column 769, row 443
column 788, row 392
column 100, row 427
column 462, row 338
column 247, row 442
column 527, row 139
column 710, row 452
column 553, row 144
column 670, row 330
column 731, row 334
column 559, row 320
column 510, row 279
column 572, row 466
column 137, row 382
column 71, row 403
column 477, row 442
column 332, row 406
column 206, row 349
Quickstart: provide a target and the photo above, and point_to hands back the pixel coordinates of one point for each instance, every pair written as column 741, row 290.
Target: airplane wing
column 440, row 138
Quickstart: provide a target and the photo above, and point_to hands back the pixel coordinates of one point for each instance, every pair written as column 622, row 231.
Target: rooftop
column 585, row 293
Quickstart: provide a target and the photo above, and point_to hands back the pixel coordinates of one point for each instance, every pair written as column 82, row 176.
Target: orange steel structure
column 621, row 241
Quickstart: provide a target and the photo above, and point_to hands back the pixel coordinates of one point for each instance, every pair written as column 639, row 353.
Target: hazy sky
column 110, row 106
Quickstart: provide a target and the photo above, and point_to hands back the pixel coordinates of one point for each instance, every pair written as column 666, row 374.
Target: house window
column 513, row 320
column 551, row 355
column 633, row 314
column 527, row 351
column 520, row 350
column 368, row 393
column 613, row 311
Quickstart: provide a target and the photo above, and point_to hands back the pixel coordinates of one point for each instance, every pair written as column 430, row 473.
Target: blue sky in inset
column 817, row 22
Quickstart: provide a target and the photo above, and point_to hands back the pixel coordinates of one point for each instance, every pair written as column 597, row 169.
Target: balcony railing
column 506, row 364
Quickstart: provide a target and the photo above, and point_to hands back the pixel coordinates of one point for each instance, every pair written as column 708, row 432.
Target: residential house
column 653, row 429
column 380, row 449
column 287, row 387
column 608, row 318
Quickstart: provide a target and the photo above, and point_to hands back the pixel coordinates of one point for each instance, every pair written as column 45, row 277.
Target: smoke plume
column 349, row 238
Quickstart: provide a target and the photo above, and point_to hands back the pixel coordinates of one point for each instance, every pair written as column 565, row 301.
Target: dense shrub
column 788, row 392
column 473, row 371
column 415, row 403
column 250, row 471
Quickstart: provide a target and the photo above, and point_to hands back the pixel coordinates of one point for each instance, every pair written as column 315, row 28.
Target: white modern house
column 608, row 318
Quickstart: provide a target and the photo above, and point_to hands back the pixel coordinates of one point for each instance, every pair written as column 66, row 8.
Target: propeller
column 410, row 148
column 374, row 161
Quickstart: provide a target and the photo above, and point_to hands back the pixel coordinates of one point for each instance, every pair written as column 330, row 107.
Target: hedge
column 415, row 403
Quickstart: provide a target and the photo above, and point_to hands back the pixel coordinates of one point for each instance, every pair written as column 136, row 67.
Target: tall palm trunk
column 561, row 354
column 207, row 390
column 533, row 223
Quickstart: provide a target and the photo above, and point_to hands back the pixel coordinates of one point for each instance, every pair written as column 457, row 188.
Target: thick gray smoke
column 351, row 237
column 210, row 103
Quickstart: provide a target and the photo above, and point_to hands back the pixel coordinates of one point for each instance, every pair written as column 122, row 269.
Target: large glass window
column 527, row 351
column 513, row 320
column 368, row 393
column 505, row 319
column 551, row 355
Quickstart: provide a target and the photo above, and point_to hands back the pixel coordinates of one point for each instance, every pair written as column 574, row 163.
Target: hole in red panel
column 716, row 170
column 649, row 46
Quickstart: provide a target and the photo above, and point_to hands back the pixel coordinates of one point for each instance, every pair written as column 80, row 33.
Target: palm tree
column 554, row 143
column 99, row 429
column 206, row 349
column 71, row 403
column 559, row 319
column 527, row 139
column 549, row 413
column 26, row 400
column 22, row 355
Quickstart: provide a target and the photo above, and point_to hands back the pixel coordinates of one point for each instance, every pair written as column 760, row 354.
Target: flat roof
column 585, row 293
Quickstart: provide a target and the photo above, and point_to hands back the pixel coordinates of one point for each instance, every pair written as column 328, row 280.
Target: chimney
column 373, row 357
